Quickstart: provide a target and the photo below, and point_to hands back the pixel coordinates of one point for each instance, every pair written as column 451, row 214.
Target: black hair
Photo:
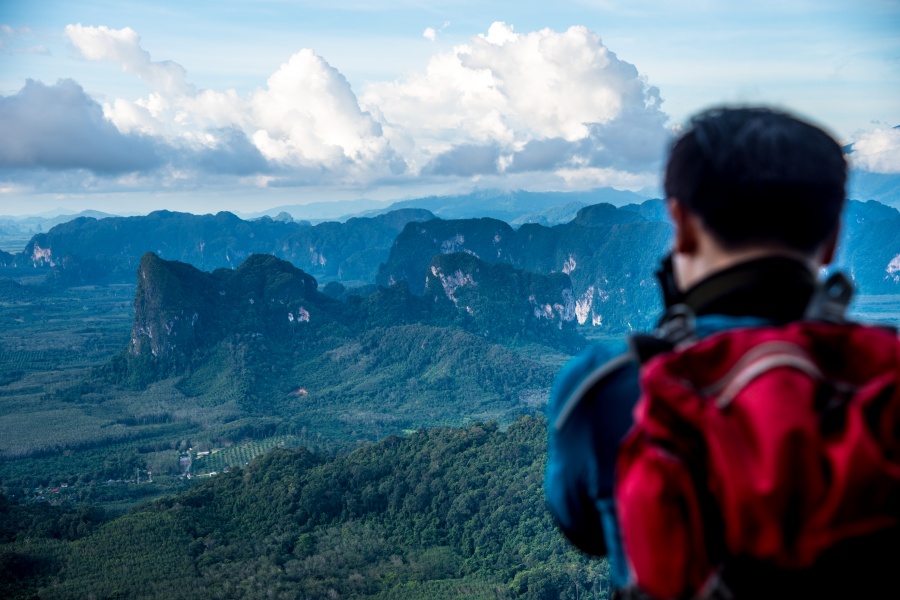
column 759, row 176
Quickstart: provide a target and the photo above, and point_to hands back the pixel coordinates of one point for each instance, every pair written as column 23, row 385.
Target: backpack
column 763, row 453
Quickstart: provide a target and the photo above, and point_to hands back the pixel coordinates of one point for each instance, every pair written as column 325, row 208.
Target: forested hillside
column 610, row 255
column 259, row 348
column 442, row 513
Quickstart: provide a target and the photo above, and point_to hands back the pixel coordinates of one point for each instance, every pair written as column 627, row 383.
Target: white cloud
column 877, row 150
column 511, row 89
column 123, row 46
column 60, row 127
column 543, row 106
column 131, row 117
column 429, row 34
column 308, row 115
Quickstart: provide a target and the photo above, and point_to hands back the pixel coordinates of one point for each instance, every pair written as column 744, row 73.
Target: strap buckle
column 830, row 300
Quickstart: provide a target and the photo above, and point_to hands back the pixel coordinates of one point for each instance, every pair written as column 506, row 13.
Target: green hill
column 443, row 513
column 262, row 342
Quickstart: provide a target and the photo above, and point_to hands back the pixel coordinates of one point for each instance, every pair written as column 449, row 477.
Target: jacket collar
column 777, row 288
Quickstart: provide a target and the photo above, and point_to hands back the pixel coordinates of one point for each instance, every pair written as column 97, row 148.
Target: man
column 755, row 197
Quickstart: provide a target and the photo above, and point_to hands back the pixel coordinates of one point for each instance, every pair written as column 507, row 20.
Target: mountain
column 882, row 187
column 870, row 247
column 610, row 255
column 206, row 241
column 504, row 303
column 15, row 232
column 261, row 339
column 511, row 205
column 554, row 215
column 178, row 309
column 37, row 224
column 87, row 250
column 319, row 211
column 609, row 252
column 349, row 251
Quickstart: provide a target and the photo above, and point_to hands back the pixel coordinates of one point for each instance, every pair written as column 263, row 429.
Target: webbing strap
column 756, row 362
column 595, row 377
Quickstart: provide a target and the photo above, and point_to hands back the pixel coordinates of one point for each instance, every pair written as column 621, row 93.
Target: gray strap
column 760, row 360
column 597, row 375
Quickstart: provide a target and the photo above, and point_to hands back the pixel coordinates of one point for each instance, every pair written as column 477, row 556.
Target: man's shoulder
column 590, row 369
column 611, row 371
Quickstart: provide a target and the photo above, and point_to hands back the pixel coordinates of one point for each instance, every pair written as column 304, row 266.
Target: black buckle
column 830, row 300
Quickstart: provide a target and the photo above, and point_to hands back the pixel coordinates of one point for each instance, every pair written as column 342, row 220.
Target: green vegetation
column 218, row 460
column 443, row 513
column 610, row 255
column 87, row 250
column 77, row 409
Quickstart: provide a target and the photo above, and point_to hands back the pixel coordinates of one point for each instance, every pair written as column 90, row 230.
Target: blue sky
column 205, row 106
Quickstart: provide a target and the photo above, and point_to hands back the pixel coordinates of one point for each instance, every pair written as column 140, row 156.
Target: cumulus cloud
column 61, row 127
column 123, row 46
column 228, row 151
column 309, row 115
column 553, row 107
column 466, row 160
column 877, row 151
column 546, row 98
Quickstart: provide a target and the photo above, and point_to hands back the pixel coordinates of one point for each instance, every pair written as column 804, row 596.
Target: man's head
column 754, row 181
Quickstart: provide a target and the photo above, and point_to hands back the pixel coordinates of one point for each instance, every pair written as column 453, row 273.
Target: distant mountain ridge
column 109, row 250
column 15, row 232
column 609, row 252
column 511, row 205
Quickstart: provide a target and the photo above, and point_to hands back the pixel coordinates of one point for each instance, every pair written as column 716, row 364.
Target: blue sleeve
column 585, row 428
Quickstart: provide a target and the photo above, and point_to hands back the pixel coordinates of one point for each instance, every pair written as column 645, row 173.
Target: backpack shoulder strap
column 676, row 328
column 590, row 381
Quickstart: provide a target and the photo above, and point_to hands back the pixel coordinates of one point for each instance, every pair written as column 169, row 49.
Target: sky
column 128, row 107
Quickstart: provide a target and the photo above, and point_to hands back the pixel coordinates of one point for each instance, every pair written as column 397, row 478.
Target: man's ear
column 686, row 240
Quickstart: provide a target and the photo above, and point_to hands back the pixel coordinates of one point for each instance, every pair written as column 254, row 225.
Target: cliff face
column 179, row 308
column 609, row 254
column 500, row 301
column 870, row 247
column 350, row 251
column 167, row 306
